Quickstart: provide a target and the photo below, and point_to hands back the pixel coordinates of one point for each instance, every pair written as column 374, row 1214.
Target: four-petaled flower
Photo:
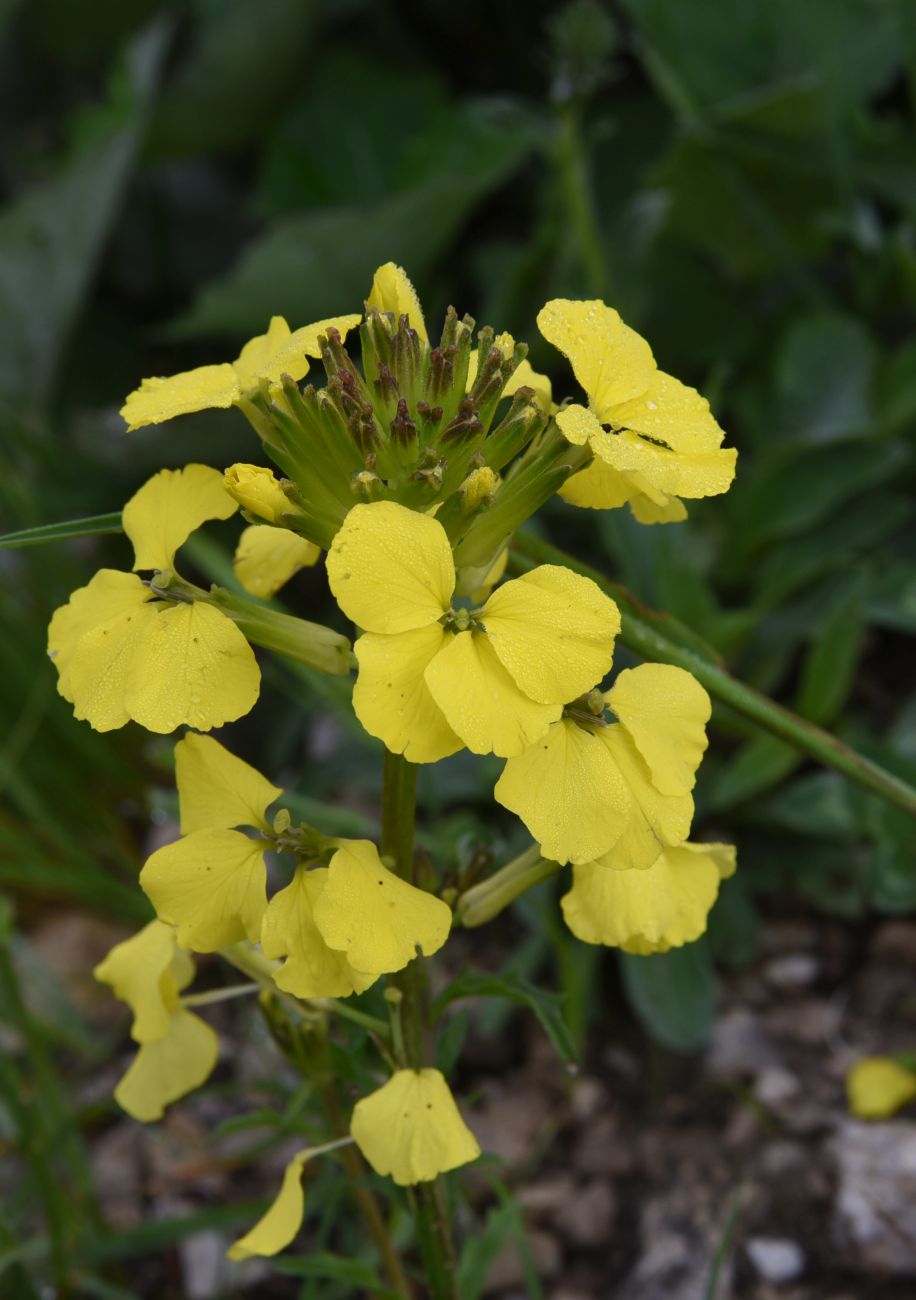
column 433, row 678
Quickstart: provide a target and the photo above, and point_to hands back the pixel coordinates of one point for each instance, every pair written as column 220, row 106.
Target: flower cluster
column 412, row 470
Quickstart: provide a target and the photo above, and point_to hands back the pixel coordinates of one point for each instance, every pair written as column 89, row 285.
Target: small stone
column 506, row 1270
column 874, row 1215
column 740, row 1045
column 782, row 1157
column 587, row 1218
column 775, row 1086
column 776, row 1259
column 794, row 970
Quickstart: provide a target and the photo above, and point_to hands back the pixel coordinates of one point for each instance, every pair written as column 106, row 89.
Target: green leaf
column 546, row 1006
column 673, row 994
column 322, row 263
column 91, row 526
column 825, row 375
column 334, row 1268
column 830, row 666
column 51, row 238
column 754, row 767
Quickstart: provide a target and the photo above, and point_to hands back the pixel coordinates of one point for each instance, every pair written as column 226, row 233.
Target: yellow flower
column 372, row 916
column 587, row 789
column 878, row 1086
column 312, row 969
column 278, row 1226
column 258, row 490
column 178, row 1050
column 411, row 1128
column 524, row 377
column 432, row 678
column 268, row 356
column 268, row 557
column 211, row 883
column 392, row 292
column 125, row 651
column 648, row 911
column 654, row 439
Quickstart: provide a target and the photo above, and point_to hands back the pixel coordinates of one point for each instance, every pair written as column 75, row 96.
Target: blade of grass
column 91, row 526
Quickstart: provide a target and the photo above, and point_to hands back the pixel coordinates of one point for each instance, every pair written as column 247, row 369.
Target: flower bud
column 257, row 490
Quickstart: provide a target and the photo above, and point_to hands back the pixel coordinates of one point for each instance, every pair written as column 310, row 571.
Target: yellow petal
column 568, row 791
column 391, row 698
column 579, row 425
column 373, row 916
column 599, row 487
column 108, row 596
column 192, row 666
column 657, row 821
column 306, row 336
column 411, row 1128
column 267, row 557
column 554, row 631
column 96, row 663
column 481, row 702
column 258, row 490
column 193, row 390
column 665, row 710
column 611, row 361
column 390, row 568
column 392, row 291
column 673, row 413
column 878, row 1086
column 134, row 970
column 277, row 1228
column 170, row 506
column 311, row 969
column 670, row 473
column 168, row 1068
column 211, row 885
column 648, row 911
column 217, row 790
column 646, row 511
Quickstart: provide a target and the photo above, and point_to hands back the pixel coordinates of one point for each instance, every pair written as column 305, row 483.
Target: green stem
column 576, row 192
column 427, row 1200
column 484, row 901
column 638, row 633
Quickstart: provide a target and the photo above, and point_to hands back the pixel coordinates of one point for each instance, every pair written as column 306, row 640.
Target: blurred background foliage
column 738, row 178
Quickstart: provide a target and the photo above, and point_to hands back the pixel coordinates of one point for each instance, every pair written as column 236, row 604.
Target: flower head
column 432, row 678
column 662, row 907
column 618, row 792
column 178, row 1050
column 127, row 649
column 654, row 439
column 268, row 356
column 411, row 1128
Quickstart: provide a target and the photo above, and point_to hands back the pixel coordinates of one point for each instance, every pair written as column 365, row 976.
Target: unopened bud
column 257, row 490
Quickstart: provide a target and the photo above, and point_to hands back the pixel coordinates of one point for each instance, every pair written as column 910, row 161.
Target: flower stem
column 484, row 901
column 428, row 1200
column 576, row 192
column 637, row 631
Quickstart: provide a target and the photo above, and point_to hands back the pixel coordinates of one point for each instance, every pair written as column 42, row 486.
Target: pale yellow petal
column 878, row 1086
column 192, row 666
column 554, row 631
column 217, row 790
column 568, row 791
column 392, row 291
column 373, row 916
column 311, row 969
column 133, row 970
column 411, row 1128
column 657, row 821
column 170, row 506
column 391, row 698
column 670, row 412
column 275, row 1230
column 168, row 1068
column 96, row 671
column 599, row 487
column 211, row 885
column 611, row 361
column 665, row 710
column 193, row 390
column 648, row 911
column 306, row 336
column 666, row 472
column 390, row 568
column 481, row 702
column 267, row 557
column 109, row 596
column 646, row 511
column 578, row 425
